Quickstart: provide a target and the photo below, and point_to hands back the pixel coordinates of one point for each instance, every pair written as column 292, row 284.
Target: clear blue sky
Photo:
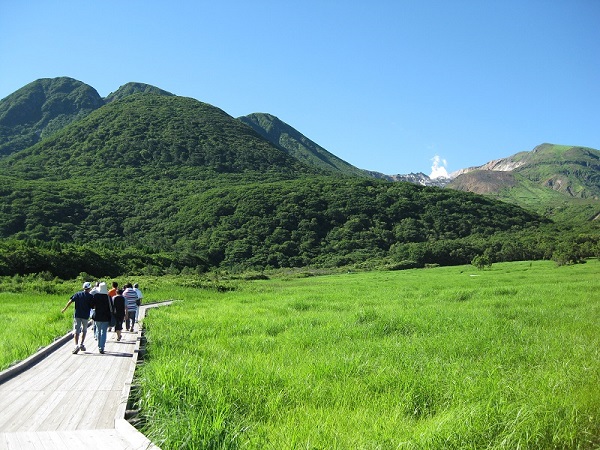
column 385, row 85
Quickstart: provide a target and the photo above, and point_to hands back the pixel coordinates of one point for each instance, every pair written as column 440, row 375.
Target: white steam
column 438, row 169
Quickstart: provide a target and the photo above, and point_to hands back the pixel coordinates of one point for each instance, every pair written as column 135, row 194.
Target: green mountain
column 559, row 181
column 155, row 134
column 47, row 105
column 296, row 144
column 135, row 88
column 154, row 183
column 41, row 108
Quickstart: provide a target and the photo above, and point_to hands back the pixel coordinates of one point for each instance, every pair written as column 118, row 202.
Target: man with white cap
column 83, row 301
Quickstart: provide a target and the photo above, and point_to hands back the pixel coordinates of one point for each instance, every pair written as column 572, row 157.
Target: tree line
column 233, row 224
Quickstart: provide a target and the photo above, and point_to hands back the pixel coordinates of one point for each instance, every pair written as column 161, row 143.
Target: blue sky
column 391, row 86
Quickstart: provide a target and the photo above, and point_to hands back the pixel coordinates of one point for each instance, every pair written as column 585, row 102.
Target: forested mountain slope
column 154, row 183
column 171, row 182
column 299, row 146
column 135, row 88
column 41, row 108
column 157, row 134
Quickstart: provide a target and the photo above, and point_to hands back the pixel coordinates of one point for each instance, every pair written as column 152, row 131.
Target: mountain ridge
column 555, row 180
column 142, row 130
column 296, row 144
column 135, row 88
column 44, row 107
column 41, row 108
column 170, row 183
column 571, row 170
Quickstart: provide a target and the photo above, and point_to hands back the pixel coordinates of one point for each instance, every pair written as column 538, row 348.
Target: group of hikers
column 107, row 309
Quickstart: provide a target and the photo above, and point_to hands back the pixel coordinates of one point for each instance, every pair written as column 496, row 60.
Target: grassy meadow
column 30, row 316
column 453, row 357
column 449, row 357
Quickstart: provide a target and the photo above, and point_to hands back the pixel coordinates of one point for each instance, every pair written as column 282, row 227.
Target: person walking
column 102, row 313
column 111, row 293
column 113, row 290
column 136, row 288
column 83, row 301
column 119, row 312
column 93, row 291
column 131, row 301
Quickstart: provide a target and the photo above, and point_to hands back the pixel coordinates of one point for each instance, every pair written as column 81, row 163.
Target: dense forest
column 154, row 183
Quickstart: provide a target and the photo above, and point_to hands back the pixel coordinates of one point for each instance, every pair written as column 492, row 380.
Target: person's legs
column 113, row 321
column 76, row 331
column 102, row 330
column 130, row 320
column 79, row 327
column 83, row 323
column 118, row 327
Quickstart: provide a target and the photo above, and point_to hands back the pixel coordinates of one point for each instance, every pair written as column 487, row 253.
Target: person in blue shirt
column 83, row 302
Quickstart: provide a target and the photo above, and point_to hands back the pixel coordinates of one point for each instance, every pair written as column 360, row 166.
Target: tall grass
column 441, row 358
column 29, row 319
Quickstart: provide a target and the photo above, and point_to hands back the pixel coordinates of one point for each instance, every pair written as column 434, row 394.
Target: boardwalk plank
column 39, row 418
column 26, row 405
column 10, row 406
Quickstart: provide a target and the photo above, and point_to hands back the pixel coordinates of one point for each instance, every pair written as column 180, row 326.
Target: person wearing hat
column 83, row 301
column 102, row 314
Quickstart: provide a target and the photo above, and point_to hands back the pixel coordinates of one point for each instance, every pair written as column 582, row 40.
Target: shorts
column 79, row 325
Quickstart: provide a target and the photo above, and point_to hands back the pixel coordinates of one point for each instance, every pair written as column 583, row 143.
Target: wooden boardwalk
column 69, row 401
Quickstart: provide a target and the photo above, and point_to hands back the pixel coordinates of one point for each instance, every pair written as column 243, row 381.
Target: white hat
column 87, row 285
column 102, row 288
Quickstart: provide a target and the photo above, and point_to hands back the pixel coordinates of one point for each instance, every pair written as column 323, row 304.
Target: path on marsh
column 66, row 401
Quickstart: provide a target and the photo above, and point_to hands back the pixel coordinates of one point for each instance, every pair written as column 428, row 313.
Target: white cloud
column 438, row 169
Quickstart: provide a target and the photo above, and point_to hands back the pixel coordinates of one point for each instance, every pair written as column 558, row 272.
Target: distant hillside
column 41, row 108
column 530, row 179
column 45, row 106
column 149, row 182
column 485, row 182
column 135, row 88
column 297, row 145
column 153, row 132
column 550, row 179
column 415, row 178
column 572, row 171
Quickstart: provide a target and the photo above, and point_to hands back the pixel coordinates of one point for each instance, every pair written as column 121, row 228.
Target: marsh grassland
column 29, row 319
column 452, row 357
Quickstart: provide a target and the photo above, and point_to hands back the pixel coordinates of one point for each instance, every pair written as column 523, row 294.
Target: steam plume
column 438, row 169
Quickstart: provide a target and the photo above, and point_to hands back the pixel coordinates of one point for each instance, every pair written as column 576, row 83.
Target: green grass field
column 437, row 358
column 30, row 318
column 450, row 357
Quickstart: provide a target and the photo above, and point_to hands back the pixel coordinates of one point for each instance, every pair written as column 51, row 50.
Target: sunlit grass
column 29, row 321
column 439, row 358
